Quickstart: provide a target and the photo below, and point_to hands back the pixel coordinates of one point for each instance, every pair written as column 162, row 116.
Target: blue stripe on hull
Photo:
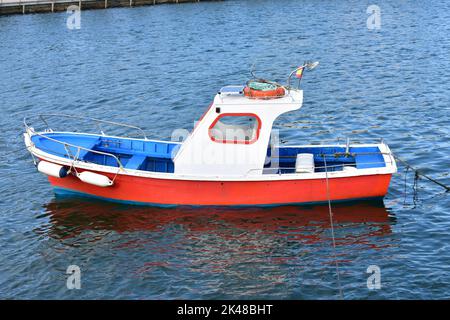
column 70, row 193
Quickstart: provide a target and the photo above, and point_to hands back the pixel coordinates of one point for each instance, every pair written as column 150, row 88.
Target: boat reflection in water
column 71, row 216
column 186, row 252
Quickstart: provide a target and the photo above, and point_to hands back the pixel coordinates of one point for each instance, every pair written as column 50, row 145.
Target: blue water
column 159, row 67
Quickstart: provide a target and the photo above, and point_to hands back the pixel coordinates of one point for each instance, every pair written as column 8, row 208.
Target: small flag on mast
column 299, row 72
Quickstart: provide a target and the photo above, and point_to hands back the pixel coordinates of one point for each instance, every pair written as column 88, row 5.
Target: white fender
column 52, row 169
column 95, row 179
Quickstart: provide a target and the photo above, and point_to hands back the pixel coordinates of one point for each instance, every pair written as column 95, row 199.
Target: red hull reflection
column 71, row 216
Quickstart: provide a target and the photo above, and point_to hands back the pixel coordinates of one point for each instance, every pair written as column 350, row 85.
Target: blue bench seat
column 135, row 162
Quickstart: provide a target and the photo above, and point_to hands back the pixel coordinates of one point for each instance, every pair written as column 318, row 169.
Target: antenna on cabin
column 308, row 65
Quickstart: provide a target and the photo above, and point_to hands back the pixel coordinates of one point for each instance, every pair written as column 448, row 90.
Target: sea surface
column 158, row 67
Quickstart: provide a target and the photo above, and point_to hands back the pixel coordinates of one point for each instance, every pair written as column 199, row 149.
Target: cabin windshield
column 230, row 128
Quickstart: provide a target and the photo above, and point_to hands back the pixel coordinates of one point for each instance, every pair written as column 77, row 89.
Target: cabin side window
column 239, row 128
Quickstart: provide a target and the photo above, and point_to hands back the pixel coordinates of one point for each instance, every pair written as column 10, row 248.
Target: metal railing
column 34, row 2
column 390, row 161
column 330, row 168
column 345, row 141
column 98, row 122
column 342, row 154
column 67, row 146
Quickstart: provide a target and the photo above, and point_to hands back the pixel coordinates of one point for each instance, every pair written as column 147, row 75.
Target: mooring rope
column 416, row 188
column 419, row 173
column 332, row 229
column 12, row 152
column 404, row 185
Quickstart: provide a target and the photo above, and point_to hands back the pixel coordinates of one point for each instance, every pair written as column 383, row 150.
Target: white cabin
column 232, row 137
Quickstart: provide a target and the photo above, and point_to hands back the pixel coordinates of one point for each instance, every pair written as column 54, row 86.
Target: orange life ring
column 253, row 91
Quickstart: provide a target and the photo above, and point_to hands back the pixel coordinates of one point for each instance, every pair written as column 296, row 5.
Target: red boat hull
column 139, row 190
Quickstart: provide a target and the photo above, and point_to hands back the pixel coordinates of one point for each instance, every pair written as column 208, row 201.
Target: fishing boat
column 230, row 158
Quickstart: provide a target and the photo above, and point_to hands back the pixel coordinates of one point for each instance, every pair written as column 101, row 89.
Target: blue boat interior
column 335, row 158
column 156, row 156
column 133, row 154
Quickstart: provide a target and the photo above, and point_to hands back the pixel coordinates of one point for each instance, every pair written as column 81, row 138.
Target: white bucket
column 304, row 163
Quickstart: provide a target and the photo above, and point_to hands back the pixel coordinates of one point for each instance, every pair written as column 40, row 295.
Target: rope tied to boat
column 74, row 158
column 332, row 228
column 418, row 174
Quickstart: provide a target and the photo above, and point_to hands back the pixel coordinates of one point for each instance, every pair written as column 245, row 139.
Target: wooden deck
column 40, row 6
